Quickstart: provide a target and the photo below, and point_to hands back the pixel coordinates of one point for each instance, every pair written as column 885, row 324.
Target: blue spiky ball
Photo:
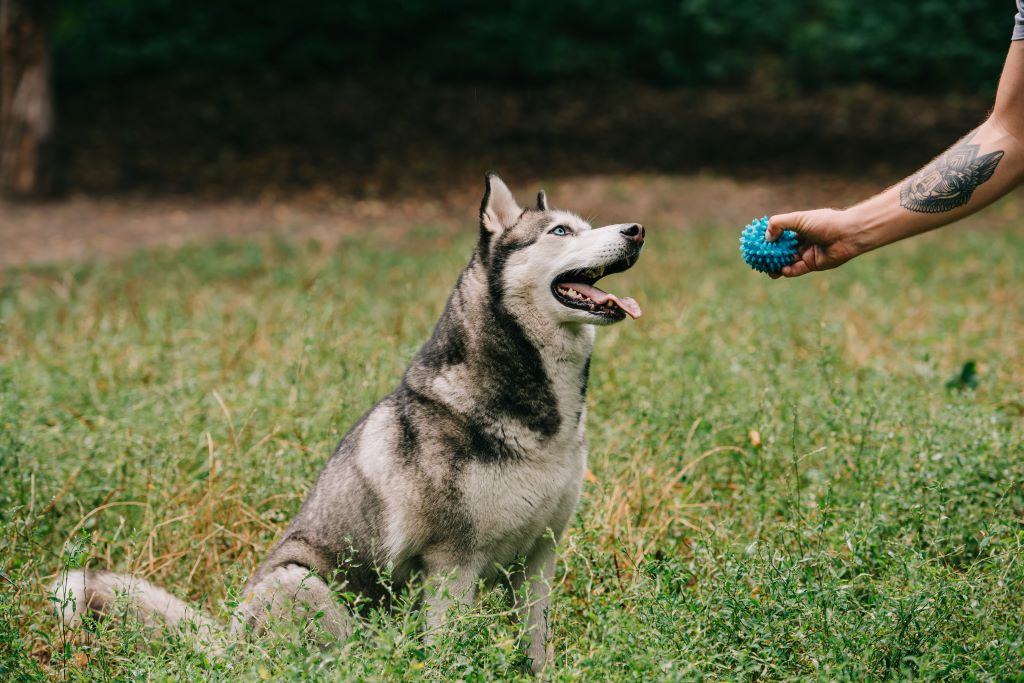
column 766, row 257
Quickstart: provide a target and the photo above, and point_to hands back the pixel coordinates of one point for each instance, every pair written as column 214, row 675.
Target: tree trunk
column 26, row 98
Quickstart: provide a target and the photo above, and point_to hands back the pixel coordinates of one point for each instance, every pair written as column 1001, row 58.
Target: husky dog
column 471, row 469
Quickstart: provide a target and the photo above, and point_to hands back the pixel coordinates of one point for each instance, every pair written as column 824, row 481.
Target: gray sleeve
column 1018, row 29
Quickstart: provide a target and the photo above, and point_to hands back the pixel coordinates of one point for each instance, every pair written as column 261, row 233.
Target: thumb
column 783, row 221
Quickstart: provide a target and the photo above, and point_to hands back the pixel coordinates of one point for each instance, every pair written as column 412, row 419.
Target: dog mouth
column 575, row 289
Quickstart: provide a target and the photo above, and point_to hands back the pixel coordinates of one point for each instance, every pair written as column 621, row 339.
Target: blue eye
column 560, row 230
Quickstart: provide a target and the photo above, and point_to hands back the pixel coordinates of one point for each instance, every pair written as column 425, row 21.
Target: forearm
column 979, row 169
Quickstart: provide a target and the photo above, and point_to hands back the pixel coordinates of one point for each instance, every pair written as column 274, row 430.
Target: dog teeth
column 573, row 294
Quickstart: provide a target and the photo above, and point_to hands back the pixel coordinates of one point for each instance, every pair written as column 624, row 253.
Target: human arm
column 979, row 169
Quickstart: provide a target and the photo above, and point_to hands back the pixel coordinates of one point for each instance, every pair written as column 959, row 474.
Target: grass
column 783, row 486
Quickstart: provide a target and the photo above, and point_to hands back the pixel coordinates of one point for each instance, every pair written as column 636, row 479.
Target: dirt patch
column 185, row 159
column 85, row 227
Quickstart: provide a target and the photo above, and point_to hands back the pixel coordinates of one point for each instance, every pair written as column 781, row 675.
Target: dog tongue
column 601, row 297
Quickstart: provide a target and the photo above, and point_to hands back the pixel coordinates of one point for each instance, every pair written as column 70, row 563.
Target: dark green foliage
column 967, row 378
column 927, row 44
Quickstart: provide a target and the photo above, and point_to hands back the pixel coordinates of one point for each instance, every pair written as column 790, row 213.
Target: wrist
column 864, row 228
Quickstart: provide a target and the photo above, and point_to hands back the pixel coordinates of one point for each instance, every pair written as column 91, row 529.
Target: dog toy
column 763, row 256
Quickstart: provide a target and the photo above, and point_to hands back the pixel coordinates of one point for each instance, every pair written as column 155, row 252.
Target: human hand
column 825, row 239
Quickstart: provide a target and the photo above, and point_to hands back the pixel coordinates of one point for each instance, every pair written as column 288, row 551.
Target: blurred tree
column 26, row 97
column 925, row 45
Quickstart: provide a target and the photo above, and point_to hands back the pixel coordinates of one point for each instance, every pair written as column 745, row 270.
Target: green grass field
column 783, row 485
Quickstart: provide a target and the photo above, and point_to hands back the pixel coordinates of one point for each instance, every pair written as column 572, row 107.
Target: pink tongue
column 601, row 297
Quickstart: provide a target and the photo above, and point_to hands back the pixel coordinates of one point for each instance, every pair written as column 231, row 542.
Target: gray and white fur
column 470, row 470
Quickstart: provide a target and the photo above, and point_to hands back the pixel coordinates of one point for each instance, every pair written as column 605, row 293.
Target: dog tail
column 78, row 592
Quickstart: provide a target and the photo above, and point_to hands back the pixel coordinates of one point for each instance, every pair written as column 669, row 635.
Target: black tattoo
column 950, row 180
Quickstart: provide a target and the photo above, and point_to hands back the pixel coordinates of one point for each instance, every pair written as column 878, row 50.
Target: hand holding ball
column 764, row 256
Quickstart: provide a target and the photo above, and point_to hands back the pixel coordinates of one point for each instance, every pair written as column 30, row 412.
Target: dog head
column 546, row 262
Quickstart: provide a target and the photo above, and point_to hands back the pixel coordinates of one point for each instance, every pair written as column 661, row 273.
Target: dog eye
column 559, row 230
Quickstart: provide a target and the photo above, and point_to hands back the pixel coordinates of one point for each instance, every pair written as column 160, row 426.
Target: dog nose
column 634, row 233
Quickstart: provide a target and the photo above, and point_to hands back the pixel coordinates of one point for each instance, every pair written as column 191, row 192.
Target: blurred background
column 352, row 107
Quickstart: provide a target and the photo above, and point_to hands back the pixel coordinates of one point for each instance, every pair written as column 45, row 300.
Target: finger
column 796, row 270
column 784, row 221
column 812, row 258
column 787, row 271
column 775, row 276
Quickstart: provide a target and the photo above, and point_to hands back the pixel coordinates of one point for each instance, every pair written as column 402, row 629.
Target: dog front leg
column 450, row 581
column 534, row 607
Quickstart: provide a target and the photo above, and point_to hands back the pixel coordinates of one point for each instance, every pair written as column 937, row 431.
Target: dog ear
column 542, row 201
column 498, row 210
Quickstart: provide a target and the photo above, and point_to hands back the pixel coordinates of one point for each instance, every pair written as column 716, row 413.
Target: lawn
column 788, row 480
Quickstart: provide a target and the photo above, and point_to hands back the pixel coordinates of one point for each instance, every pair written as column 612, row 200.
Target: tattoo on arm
column 949, row 181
